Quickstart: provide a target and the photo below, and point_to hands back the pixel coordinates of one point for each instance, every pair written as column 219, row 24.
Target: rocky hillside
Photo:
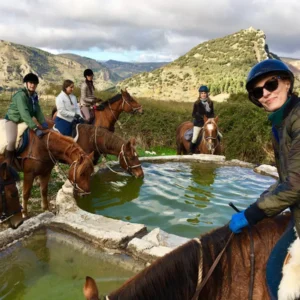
column 222, row 64
column 128, row 69
column 17, row 60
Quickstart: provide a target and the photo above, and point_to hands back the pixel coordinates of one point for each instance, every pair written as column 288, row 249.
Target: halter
column 210, row 138
column 4, row 215
column 128, row 167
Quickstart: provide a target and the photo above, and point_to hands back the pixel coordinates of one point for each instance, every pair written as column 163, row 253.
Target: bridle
column 4, row 215
column 210, row 137
column 122, row 156
column 75, row 163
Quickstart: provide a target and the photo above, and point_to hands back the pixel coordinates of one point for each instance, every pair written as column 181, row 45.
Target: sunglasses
column 270, row 85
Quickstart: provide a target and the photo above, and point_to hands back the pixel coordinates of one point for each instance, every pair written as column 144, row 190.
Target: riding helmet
column 265, row 68
column 203, row 88
column 30, row 77
column 88, row 72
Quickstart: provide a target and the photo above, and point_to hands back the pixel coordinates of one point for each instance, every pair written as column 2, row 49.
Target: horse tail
column 54, row 110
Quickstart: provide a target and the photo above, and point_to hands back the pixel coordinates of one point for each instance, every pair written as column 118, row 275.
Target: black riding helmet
column 264, row 68
column 30, row 77
column 88, row 72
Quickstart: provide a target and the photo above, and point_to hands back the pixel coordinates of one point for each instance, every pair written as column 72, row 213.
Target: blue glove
column 45, row 125
column 39, row 133
column 238, row 221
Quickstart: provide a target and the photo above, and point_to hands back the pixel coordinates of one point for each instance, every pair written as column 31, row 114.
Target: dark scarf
column 90, row 85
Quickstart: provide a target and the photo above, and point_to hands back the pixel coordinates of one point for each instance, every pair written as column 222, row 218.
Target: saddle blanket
column 3, row 140
column 188, row 134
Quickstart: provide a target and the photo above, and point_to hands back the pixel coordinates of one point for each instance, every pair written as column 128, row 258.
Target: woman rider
column 24, row 106
column 87, row 97
column 202, row 107
column 270, row 86
column 68, row 112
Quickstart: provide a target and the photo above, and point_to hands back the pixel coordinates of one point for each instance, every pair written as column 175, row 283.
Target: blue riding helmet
column 203, row 88
column 265, row 68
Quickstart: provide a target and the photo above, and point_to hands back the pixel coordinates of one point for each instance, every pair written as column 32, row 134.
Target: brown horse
column 176, row 275
column 209, row 144
column 102, row 141
column 108, row 112
column 39, row 157
column 10, row 208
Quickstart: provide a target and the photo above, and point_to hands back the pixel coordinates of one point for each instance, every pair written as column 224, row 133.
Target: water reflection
column 186, row 199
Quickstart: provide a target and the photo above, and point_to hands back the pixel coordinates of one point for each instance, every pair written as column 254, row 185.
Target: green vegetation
column 245, row 128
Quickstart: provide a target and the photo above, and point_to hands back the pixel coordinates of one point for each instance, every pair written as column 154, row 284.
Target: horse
column 209, row 144
column 39, row 157
column 102, row 141
column 178, row 274
column 10, row 208
column 108, row 112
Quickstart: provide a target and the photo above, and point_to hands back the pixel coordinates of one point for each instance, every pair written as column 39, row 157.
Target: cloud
column 152, row 28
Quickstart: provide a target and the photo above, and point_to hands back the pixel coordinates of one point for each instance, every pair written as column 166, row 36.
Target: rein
column 128, row 167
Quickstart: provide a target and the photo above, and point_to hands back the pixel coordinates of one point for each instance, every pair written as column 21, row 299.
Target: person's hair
column 66, row 84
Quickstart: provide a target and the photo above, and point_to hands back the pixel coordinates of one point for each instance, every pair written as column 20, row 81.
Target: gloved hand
column 45, row 125
column 39, row 133
column 238, row 221
column 78, row 119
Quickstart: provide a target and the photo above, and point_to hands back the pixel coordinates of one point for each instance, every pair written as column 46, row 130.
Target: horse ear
column 90, row 289
column 205, row 118
column 91, row 155
column 216, row 119
column 4, row 170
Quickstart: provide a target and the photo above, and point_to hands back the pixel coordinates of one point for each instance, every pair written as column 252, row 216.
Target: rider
column 87, row 97
column 203, row 106
column 24, row 106
column 270, row 86
column 68, row 112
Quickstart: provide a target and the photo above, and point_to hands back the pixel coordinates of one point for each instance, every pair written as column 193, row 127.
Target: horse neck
column 64, row 148
column 109, row 116
column 108, row 142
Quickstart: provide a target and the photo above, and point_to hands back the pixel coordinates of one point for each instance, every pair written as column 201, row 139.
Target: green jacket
column 285, row 193
column 21, row 109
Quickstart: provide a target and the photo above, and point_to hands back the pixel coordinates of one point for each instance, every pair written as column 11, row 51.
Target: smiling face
column 273, row 100
column 69, row 89
column 31, row 86
column 203, row 95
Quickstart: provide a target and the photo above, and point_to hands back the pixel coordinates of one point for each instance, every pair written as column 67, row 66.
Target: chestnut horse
column 176, row 275
column 10, row 208
column 39, row 157
column 209, row 144
column 102, row 141
column 108, row 112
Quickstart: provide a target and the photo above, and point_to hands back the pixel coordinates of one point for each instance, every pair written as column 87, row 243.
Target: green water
column 186, row 199
column 45, row 266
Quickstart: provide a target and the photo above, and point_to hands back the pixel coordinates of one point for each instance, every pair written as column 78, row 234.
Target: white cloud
column 152, row 28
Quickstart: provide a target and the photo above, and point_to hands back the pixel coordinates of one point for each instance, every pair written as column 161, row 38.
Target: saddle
column 283, row 267
column 188, row 135
column 22, row 137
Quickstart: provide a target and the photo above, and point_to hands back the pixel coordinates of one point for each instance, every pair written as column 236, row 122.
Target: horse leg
column 44, row 180
column 27, row 185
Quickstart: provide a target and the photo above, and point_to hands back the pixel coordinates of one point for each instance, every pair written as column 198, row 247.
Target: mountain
column 17, row 60
column 222, row 64
column 293, row 64
column 128, row 69
column 95, row 65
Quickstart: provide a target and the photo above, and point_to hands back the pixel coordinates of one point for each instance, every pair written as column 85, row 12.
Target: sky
column 145, row 30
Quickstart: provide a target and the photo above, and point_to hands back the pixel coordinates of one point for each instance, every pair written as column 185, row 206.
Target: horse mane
column 111, row 100
column 110, row 139
column 175, row 275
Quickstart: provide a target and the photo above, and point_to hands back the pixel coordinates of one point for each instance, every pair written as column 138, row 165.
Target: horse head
column 10, row 208
column 210, row 134
column 129, row 160
column 80, row 173
column 129, row 104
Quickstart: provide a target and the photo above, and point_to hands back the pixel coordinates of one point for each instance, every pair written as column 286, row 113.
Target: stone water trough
column 114, row 236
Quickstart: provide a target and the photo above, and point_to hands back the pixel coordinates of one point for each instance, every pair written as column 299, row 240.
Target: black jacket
column 199, row 111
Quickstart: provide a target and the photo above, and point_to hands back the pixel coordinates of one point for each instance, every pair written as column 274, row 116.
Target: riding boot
column 11, row 159
column 193, row 147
